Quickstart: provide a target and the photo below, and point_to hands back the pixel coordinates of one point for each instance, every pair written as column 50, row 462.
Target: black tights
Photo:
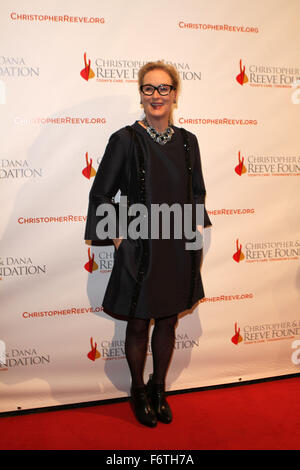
column 162, row 344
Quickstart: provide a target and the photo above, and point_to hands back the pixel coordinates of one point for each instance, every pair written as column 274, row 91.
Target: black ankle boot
column 142, row 407
column 158, row 401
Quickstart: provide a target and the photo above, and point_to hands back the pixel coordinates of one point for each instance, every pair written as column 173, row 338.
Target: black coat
column 151, row 278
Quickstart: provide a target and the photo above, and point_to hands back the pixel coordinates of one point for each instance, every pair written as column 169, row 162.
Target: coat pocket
column 128, row 256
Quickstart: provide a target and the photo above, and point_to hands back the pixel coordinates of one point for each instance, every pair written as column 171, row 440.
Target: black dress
column 151, row 278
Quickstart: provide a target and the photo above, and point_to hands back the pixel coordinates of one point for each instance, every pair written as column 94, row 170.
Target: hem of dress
column 186, row 311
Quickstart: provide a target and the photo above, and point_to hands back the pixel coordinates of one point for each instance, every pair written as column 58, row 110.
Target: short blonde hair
column 160, row 64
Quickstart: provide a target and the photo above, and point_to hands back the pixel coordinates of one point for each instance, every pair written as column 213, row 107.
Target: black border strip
column 124, row 399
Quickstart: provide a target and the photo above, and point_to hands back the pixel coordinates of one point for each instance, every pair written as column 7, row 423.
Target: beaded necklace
column 160, row 137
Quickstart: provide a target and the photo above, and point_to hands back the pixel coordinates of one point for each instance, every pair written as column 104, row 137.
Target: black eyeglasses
column 162, row 89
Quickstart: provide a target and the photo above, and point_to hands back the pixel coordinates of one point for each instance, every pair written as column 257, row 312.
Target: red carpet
column 262, row 416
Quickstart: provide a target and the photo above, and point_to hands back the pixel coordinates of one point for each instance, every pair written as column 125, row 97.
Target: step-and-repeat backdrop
column 68, row 79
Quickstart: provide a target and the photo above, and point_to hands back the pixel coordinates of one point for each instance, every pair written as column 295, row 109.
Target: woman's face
column 158, row 107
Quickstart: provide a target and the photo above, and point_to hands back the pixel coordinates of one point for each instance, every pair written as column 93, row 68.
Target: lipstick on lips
column 156, row 105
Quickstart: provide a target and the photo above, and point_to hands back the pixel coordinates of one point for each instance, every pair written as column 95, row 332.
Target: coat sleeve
column 198, row 185
column 106, row 183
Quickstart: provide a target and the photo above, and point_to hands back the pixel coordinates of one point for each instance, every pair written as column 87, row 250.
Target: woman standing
column 151, row 162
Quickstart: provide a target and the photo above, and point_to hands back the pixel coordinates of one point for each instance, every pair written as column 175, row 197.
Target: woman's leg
column 136, row 344
column 163, row 340
column 162, row 343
